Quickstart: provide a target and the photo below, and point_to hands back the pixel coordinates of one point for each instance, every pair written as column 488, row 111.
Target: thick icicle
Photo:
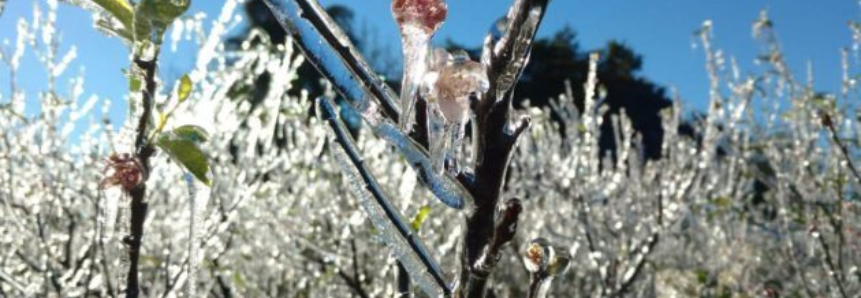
column 417, row 20
column 454, row 79
column 397, row 235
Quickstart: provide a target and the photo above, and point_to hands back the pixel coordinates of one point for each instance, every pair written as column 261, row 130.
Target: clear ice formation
column 396, row 233
column 417, row 20
column 448, row 87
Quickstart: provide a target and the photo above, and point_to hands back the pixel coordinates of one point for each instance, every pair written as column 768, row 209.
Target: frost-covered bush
column 762, row 201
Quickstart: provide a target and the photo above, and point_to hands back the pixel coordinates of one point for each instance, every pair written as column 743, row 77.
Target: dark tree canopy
column 558, row 59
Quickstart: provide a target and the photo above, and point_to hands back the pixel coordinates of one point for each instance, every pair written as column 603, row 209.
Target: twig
column 628, row 279
column 834, row 271
column 14, row 283
column 354, row 284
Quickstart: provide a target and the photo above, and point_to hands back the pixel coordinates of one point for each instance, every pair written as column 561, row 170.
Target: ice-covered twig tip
column 417, row 20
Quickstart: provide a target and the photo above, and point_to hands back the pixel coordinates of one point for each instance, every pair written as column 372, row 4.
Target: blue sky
column 660, row 30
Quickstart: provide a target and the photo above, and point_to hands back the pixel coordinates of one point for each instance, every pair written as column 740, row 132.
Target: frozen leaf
column 119, row 10
column 182, row 145
column 192, row 133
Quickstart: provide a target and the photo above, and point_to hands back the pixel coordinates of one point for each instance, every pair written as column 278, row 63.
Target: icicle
column 436, row 138
column 417, row 20
column 109, row 208
column 453, row 80
column 197, row 200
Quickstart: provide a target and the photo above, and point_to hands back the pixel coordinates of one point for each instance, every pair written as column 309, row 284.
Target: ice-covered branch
column 506, row 52
column 398, row 235
column 329, row 49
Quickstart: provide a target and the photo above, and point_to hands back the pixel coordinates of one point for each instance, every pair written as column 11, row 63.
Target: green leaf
column 238, row 280
column 722, row 202
column 135, row 83
column 192, row 133
column 184, row 89
column 424, row 211
column 182, row 145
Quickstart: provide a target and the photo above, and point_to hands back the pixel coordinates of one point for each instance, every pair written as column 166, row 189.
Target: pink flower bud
column 426, row 14
column 456, row 82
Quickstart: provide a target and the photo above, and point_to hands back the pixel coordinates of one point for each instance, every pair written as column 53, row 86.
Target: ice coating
column 443, row 186
column 537, row 255
column 397, row 235
column 398, row 243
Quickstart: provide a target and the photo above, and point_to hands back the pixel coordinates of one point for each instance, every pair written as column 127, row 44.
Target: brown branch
column 143, row 151
column 505, row 57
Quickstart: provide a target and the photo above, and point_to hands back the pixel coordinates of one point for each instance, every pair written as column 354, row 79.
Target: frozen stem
column 143, row 151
